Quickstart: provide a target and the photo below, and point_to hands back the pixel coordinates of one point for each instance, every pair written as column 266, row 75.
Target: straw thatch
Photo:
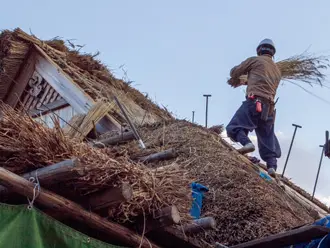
column 80, row 126
column 26, row 145
column 12, row 55
column 85, row 70
column 244, row 205
column 305, row 67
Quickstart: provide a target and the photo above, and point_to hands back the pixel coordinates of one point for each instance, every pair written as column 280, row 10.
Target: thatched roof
column 26, row 145
column 244, row 205
column 89, row 73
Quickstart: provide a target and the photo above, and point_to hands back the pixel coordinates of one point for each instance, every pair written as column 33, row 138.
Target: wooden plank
column 26, row 97
column 41, row 102
column 315, row 210
column 124, row 137
column 296, row 236
column 63, row 85
column 44, row 109
column 28, row 104
column 303, row 200
column 295, row 195
column 76, row 212
column 310, row 206
column 67, row 88
column 54, row 96
column 47, row 99
column 110, row 197
column 200, row 225
column 22, row 79
column 162, row 218
column 34, row 103
column 52, row 174
column 94, row 115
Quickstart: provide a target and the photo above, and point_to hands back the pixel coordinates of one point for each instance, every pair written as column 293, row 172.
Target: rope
column 36, row 190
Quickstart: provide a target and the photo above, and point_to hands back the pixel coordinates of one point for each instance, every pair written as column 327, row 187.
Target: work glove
column 236, row 82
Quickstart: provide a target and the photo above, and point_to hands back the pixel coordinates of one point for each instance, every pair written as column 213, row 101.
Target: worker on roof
column 257, row 112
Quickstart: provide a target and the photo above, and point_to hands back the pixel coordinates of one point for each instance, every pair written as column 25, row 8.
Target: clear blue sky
column 178, row 50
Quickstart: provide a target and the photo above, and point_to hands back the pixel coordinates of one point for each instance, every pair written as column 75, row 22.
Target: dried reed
column 305, row 68
column 244, row 205
column 26, row 145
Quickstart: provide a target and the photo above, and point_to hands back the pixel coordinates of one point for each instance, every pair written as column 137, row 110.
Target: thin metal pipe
column 318, row 172
column 207, row 108
column 293, row 137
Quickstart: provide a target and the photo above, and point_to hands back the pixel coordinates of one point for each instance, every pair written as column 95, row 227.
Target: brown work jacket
column 263, row 76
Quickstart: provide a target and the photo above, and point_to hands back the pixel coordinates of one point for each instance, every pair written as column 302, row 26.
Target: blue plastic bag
column 198, row 191
column 264, row 176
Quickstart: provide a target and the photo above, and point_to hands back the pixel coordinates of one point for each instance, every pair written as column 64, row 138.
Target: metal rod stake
column 294, row 135
column 207, row 108
column 136, row 134
column 318, row 172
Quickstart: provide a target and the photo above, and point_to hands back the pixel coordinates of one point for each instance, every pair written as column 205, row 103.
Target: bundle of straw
column 26, row 145
column 305, row 68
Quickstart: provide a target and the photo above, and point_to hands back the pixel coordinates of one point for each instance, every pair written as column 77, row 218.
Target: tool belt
column 264, row 106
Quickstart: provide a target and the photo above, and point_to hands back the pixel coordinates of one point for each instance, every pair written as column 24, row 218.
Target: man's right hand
column 236, row 82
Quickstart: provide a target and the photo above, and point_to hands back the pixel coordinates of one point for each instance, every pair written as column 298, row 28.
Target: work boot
column 247, row 148
column 271, row 172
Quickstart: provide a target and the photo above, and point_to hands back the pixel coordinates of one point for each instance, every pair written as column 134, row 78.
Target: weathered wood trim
column 63, row 85
column 22, row 78
column 68, row 89
column 46, row 108
column 75, row 211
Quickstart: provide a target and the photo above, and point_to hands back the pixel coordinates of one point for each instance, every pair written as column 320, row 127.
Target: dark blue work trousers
column 247, row 119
